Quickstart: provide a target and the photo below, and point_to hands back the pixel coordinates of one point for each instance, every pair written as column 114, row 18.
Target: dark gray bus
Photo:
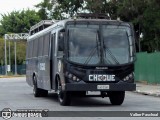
column 78, row 56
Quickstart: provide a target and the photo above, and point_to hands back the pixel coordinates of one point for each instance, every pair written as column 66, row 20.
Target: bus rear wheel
column 64, row 97
column 37, row 91
column 116, row 97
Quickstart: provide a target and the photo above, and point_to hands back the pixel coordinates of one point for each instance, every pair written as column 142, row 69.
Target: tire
column 44, row 93
column 37, row 91
column 64, row 97
column 116, row 97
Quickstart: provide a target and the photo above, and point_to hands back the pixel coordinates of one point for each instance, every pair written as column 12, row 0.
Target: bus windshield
column 116, row 44
column 83, row 44
column 99, row 44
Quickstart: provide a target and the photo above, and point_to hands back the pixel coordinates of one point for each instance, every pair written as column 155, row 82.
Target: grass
column 11, row 76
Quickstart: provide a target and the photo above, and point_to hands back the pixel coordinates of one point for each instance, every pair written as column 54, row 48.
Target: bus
column 77, row 57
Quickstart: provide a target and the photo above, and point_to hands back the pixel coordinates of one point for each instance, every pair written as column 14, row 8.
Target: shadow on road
column 83, row 101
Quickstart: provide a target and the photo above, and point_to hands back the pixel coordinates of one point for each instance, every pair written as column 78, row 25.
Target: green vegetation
column 18, row 22
column 144, row 14
column 11, row 76
column 1, row 51
column 21, row 52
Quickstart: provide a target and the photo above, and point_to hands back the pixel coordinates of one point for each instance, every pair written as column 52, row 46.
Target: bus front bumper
column 120, row 86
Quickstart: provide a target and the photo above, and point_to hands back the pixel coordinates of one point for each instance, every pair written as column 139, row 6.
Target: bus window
column 61, row 41
column 35, row 48
column 30, row 49
column 46, row 44
column 27, row 52
column 40, row 46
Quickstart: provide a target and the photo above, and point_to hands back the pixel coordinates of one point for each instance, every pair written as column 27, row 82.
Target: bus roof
column 61, row 25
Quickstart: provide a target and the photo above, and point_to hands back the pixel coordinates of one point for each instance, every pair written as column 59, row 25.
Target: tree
column 57, row 9
column 45, row 8
column 151, row 26
column 1, row 51
column 18, row 22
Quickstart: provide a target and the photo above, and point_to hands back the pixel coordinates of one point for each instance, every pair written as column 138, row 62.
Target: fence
column 147, row 67
column 21, row 69
column 2, row 70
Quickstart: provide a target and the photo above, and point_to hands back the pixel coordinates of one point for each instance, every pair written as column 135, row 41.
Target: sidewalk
column 148, row 89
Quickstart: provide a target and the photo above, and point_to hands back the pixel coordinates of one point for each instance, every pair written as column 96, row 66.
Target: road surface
column 16, row 94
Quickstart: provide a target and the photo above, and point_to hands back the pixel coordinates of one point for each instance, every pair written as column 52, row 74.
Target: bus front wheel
column 64, row 97
column 116, row 97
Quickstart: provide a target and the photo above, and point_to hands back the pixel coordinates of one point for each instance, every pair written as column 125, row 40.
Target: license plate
column 102, row 87
column 93, row 92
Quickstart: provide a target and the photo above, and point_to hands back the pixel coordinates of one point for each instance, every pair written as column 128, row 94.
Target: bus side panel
column 44, row 62
column 44, row 73
column 34, row 68
column 29, row 63
column 47, row 83
column 28, row 72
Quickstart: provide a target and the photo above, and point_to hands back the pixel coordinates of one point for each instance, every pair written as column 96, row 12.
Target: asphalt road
column 16, row 94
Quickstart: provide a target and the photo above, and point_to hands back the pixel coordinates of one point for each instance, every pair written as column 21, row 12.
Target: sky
column 7, row 6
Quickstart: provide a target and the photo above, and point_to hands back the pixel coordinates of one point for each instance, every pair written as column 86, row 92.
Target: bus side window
column 35, row 47
column 27, row 52
column 40, row 46
column 46, row 44
column 61, row 41
column 30, row 49
column 53, row 38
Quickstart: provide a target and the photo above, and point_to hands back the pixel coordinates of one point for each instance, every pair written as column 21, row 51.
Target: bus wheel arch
column 34, row 81
column 57, row 79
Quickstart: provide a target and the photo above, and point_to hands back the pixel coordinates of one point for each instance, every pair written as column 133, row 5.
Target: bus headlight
column 72, row 77
column 75, row 79
column 129, row 77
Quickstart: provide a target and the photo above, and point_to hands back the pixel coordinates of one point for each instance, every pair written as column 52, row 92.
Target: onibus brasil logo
column 6, row 113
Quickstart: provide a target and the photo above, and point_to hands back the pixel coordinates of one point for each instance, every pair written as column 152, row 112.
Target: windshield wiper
column 105, row 48
column 93, row 51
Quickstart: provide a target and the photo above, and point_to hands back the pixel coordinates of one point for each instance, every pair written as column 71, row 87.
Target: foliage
column 151, row 26
column 144, row 14
column 1, row 51
column 21, row 52
column 18, row 22
column 45, row 8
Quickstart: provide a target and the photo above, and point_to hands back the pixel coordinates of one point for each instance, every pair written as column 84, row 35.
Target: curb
column 155, row 94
